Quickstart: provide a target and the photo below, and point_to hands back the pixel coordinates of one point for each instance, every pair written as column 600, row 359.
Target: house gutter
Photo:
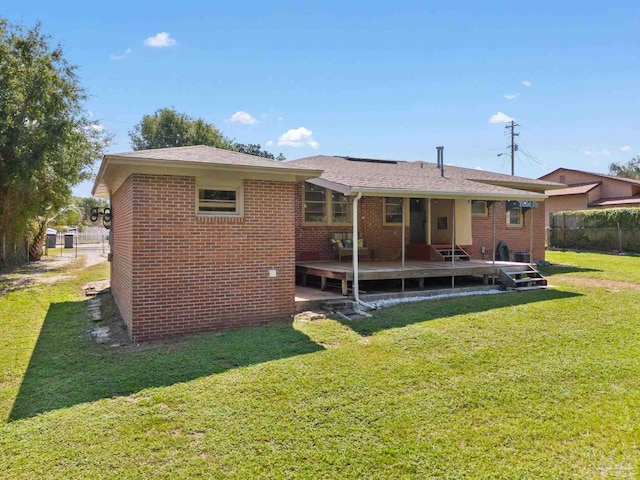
column 356, row 286
column 515, row 195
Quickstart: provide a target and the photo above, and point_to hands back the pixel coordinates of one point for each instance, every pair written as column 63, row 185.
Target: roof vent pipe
column 440, row 161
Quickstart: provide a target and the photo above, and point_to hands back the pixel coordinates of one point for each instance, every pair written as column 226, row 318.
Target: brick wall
column 195, row 274
column 517, row 238
column 386, row 241
column 121, row 238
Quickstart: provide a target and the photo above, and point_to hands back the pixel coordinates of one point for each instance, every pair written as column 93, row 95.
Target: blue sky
column 375, row 79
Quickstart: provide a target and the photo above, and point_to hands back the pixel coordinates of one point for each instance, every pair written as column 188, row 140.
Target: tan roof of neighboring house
column 612, row 202
column 391, row 177
column 603, row 175
column 574, row 189
column 116, row 168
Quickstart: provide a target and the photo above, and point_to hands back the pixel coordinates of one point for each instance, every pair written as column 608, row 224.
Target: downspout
column 403, row 238
column 356, row 286
column 531, row 238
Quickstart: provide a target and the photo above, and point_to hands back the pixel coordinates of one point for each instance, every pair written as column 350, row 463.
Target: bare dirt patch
column 610, row 285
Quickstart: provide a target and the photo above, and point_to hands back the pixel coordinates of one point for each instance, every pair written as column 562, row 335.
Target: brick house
column 202, row 239
column 585, row 190
column 205, row 239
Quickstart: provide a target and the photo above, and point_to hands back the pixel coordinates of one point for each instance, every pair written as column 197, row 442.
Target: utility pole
column 514, row 146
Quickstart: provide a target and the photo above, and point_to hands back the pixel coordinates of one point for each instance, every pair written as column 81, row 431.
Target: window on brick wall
column 315, row 204
column 393, row 210
column 514, row 217
column 479, row 208
column 223, row 201
column 324, row 206
column 340, row 208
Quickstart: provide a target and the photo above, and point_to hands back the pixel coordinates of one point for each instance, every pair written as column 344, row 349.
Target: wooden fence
column 573, row 231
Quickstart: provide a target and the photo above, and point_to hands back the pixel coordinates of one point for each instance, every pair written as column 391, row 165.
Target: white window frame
column 520, row 218
column 328, row 203
column 384, row 210
column 239, row 203
column 331, row 215
column 485, row 211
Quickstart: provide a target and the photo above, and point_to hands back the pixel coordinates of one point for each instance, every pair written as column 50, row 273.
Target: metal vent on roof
column 370, row 160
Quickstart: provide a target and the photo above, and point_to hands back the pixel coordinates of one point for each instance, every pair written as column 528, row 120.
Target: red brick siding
column 518, row 238
column 121, row 236
column 194, row 274
column 386, row 241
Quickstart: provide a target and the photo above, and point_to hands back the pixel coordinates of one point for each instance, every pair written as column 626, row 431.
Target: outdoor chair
column 342, row 244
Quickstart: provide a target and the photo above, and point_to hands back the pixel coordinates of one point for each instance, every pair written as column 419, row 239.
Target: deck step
column 447, row 254
column 523, row 279
column 529, row 279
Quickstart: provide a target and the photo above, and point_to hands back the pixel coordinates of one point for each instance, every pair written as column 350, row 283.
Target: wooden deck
column 392, row 270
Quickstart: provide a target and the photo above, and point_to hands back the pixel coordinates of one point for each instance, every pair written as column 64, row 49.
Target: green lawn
column 521, row 385
column 625, row 268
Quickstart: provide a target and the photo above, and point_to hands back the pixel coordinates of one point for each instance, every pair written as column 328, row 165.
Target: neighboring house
column 206, row 239
column 589, row 190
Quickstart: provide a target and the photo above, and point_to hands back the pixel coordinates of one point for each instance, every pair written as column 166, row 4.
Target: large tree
column 167, row 127
column 631, row 169
column 47, row 142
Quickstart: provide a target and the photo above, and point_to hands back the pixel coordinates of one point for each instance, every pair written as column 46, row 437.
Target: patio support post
column 493, row 244
column 453, row 247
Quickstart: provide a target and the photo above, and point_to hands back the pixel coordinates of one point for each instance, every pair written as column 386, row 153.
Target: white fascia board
column 337, row 187
column 181, row 164
column 128, row 165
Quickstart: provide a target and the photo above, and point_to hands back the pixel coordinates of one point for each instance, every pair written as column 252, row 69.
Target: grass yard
column 541, row 384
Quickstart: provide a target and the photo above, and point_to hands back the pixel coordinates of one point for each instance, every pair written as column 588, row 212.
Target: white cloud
column 242, row 117
column 298, row 137
column 626, row 148
column 96, row 127
column 600, row 153
column 269, row 143
column 509, row 97
column 160, row 40
column 500, row 117
column 122, row 55
column 479, row 168
column 526, row 83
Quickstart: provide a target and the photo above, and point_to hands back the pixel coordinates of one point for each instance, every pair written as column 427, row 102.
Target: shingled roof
column 203, row 154
column 574, row 189
column 393, row 177
column 116, row 167
column 602, row 175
